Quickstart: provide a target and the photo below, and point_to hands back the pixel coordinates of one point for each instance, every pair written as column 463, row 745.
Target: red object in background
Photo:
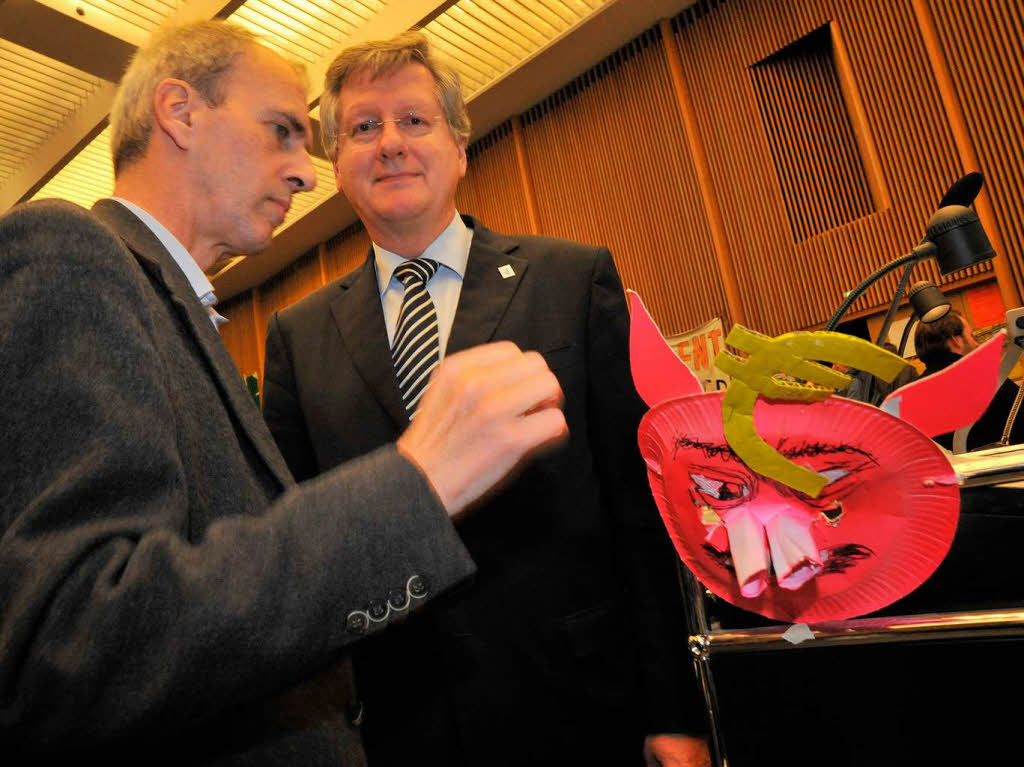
column 954, row 397
column 985, row 305
column 892, row 487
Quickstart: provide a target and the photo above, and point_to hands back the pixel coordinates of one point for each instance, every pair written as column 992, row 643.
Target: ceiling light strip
column 136, row 15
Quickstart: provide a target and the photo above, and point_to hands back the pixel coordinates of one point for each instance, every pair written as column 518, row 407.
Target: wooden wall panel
column 983, row 41
column 345, row 251
column 610, row 167
column 239, row 334
column 299, row 279
column 492, row 190
column 811, row 137
column 786, row 284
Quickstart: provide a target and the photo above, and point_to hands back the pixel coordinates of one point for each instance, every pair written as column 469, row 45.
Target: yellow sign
column 698, row 349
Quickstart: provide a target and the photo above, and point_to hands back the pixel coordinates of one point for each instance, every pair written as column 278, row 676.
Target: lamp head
column 927, row 301
column 959, row 239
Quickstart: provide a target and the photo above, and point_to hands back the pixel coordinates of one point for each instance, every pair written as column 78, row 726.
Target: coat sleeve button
column 377, row 610
column 417, row 587
column 398, row 599
column 357, row 622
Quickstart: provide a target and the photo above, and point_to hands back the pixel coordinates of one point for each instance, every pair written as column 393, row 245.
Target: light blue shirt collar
column 199, row 282
column 450, row 249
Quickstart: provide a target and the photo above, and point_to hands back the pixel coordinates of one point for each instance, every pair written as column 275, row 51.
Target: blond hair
column 200, row 53
column 384, row 57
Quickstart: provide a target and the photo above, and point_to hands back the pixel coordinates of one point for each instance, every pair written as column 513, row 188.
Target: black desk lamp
column 927, row 304
column 954, row 238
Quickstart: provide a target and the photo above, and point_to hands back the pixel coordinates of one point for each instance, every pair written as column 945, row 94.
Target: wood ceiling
column 60, row 61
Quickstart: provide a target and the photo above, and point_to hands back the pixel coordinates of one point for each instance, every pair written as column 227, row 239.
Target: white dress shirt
column 451, row 251
column 199, row 282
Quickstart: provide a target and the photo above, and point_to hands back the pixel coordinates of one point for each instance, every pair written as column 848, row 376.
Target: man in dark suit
column 168, row 594
column 568, row 648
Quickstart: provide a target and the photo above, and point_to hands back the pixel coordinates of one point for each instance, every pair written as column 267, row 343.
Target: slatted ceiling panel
column 499, row 22
column 479, row 61
column 346, row 251
column 26, row 119
column 87, row 178
column 36, row 95
column 144, row 15
column 239, row 333
column 610, row 166
column 57, row 90
column 304, row 202
column 484, row 39
column 508, row 42
column 492, row 190
column 984, row 44
column 305, row 29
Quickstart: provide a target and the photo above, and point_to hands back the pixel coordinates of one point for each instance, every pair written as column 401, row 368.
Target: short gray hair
column 200, row 53
column 384, row 57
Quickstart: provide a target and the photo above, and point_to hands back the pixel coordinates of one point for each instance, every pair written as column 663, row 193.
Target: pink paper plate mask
column 881, row 526
column 878, row 530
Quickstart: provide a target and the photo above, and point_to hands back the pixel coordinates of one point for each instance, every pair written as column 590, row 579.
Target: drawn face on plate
column 877, row 530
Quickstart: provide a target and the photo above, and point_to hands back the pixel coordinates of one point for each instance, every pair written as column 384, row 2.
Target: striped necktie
column 415, row 351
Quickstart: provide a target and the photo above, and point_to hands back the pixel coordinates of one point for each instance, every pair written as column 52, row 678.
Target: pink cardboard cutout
column 954, row 397
column 881, row 526
column 658, row 373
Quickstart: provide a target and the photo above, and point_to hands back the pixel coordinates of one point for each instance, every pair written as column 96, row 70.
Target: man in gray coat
column 168, row 594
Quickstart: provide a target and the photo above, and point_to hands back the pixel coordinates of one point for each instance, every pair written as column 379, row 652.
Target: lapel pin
column 506, row 271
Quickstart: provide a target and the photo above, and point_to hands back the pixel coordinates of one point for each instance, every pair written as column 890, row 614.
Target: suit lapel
column 163, row 270
column 486, row 292
column 484, row 297
column 360, row 320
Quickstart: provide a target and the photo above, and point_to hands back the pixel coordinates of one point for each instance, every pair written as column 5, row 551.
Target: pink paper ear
column 954, row 397
column 658, row 373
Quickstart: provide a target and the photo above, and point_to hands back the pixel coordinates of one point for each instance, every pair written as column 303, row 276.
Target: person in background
column 865, row 387
column 909, row 374
column 569, row 646
column 169, row 595
column 941, row 343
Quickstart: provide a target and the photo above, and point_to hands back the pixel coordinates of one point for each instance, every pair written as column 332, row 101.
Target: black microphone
column 958, row 237
column 963, row 190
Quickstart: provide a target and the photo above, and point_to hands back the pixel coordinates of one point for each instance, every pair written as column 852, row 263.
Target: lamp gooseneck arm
column 921, row 252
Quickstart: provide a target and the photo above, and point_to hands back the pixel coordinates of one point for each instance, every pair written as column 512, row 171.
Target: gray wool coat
column 168, row 594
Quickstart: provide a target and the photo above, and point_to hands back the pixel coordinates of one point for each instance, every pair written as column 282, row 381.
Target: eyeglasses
column 411, row 125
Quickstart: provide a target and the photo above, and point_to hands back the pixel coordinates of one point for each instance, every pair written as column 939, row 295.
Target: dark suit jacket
column 569, row 644
column 167, row 593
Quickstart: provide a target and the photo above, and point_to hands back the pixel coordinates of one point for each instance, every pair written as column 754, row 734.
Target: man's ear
column 461, row 144
column 957, row 345
column 337, row 175
column 174, row 102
